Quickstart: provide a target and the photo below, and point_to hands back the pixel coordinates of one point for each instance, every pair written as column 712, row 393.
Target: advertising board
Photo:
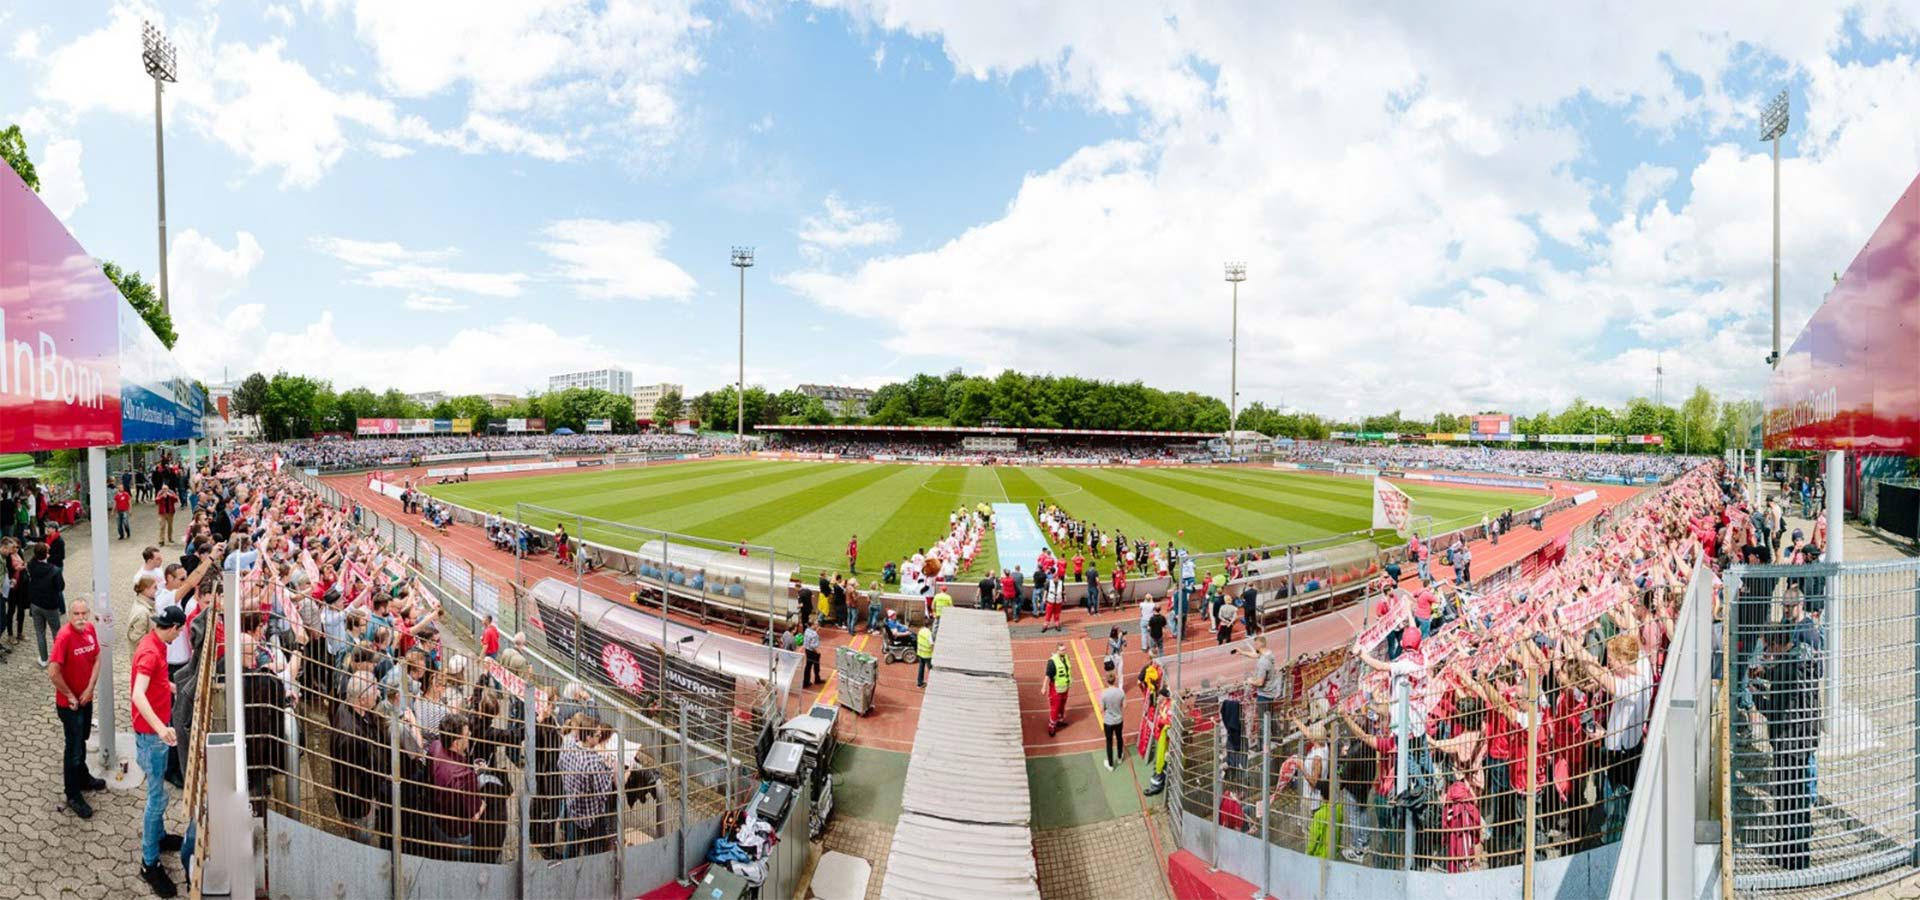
column 1851, row 379
column 443, row 426
column 59, row 332
column 1490, row 425
column 376, row 427
column 158, row 400
column 462, row 426
column 599, row 424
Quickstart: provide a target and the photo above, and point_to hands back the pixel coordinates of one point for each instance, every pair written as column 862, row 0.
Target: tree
column 13, row 147
column 475, row 407
column 250, row 395
column 139, row 293
column 354, row 405
column 1699, row 427
column 668, row 409
column 291, row 405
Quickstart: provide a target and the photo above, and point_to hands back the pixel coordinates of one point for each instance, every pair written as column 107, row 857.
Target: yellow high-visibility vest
column 926, row 642
column 1061, row 675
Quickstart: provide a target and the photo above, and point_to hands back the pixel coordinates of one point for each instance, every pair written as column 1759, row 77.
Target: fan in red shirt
column 853, row 554
column 490, row 639
column 153, row 736
column 71, row 665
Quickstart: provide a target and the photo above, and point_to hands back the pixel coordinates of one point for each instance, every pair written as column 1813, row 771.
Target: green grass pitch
column 807, row 510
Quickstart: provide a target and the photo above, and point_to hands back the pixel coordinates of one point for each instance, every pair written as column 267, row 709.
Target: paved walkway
column 45, row 851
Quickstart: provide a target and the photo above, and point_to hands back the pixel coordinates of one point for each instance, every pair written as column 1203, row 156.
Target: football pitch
column 808, row 510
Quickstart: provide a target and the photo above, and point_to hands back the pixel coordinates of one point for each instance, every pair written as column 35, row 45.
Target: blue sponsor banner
column 443, row 426
column 158, row 400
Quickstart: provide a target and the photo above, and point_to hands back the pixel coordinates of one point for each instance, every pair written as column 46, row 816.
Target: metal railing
column 1822, row 756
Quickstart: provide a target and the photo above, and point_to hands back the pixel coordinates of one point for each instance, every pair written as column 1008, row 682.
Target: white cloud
column 533, row 60
column 616, row 260
column 26, row 45
column 279, row 14
column 62, row 186
column 386, row 264
column 840, row 226
column 879, row 57
column 518, row 354
column 428, row 303
column 266, row 106
column 1396, row 216
column 205, row 278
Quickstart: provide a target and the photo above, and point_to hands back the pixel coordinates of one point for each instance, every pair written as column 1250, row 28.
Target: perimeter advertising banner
column 372, row 427
column 463, row 426
column 158, row 401
column 59, row 332
column 1851, row 380
column 599, row 424
column 443, row 426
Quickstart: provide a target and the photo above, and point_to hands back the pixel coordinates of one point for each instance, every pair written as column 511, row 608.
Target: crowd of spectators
column 1574, row 464
column 337, row 635
column 363, row 452
column 1539, row 691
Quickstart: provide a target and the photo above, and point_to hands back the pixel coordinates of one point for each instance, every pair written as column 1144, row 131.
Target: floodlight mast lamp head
column 1774, row 118
column 1236, row 271
column 158, row 54
column 743, row 257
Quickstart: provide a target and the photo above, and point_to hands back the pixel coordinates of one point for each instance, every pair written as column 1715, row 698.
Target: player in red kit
column 853, row 554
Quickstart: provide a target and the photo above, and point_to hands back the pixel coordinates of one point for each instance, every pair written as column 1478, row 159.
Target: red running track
column 896, row 710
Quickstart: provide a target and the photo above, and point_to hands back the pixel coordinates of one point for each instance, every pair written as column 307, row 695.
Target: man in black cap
column 153, row 737
column 1789, row 694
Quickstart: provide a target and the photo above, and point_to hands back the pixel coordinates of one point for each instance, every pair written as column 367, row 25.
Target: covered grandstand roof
column 986, row 429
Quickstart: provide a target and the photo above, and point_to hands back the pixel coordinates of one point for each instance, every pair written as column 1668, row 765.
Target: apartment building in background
column 611, row 379
column 647, row 396
column 840, row 401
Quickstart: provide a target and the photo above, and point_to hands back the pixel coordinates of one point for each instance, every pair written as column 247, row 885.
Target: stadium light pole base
column 125, row 774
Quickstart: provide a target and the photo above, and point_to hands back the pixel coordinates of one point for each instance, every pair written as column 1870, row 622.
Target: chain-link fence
column 1823, row 765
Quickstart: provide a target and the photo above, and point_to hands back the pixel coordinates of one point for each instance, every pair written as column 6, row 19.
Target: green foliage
column 668, row 409
column 250, row 397
column 294, row 405
column 145, row 301
column 13, row 148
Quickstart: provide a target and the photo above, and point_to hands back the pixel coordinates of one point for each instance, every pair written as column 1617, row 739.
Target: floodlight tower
column 742, row 260
column 1236, row 273
column 157, row 54
column 1773, row 124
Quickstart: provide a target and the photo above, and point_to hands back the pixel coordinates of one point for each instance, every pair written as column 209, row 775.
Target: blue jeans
column 1426, row 627
column 875, row 612
column 1426, row 574
column 151, row 752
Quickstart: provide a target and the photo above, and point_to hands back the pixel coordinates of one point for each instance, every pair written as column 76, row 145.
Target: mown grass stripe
column 760, row 514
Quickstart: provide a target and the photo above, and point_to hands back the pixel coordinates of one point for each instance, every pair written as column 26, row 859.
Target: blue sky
column 1477, row 209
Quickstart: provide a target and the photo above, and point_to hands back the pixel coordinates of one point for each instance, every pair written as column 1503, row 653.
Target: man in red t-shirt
column 853, row 554
column 122, row 502
column 153, row 735
column 490, row 639
column 165, row 504
column 71, row 667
